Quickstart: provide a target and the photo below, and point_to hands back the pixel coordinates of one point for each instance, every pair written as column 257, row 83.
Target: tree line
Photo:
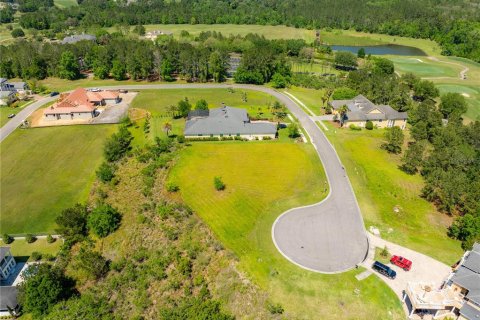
column 118, row 57
column 454, row 24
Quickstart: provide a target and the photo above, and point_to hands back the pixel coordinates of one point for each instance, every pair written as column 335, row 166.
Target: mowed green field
column 65, row 3
column 424, row 67
column 45, row 170
column 21, row 248
column 157, row 102
column 380, row 186
column 312, row 98
column 471, row 94
column 263, row 179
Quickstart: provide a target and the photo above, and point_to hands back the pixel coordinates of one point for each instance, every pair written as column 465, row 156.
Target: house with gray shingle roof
column 361, row 110
column 227, row 122
column 78, row 37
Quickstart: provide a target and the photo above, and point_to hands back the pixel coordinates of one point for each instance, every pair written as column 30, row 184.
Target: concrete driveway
column 327, row 237
column 424, row 269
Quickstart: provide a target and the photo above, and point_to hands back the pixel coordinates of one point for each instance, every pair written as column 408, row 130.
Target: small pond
column 393, row 49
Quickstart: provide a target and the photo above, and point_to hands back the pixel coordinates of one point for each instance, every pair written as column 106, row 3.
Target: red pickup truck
column 401, row 262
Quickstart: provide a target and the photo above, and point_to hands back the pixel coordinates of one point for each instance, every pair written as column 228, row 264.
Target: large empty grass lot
column 44, row 171
column 263, row 179
column 380, row 186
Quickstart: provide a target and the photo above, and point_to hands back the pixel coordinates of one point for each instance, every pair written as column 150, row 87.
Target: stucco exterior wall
column 68, row 116
column 380, row 124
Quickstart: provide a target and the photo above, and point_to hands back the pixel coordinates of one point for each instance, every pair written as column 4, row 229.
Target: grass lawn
column 20, row 248
column 5, row 111
column 45, row 170
column 157, row 103
column 472, row 95
column 65, row 3
column 263, row 179
column 312, row 98
column 424, row 67
column 380, row 186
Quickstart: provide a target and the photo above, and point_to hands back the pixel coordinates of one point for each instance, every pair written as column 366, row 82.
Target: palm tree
column 173, row 109
column 343, row 114
column 167, row 127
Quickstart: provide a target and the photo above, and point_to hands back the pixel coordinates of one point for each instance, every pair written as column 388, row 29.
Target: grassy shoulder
column 45, row 170
column 5, row 111
column 263, row 179
column 380, row 186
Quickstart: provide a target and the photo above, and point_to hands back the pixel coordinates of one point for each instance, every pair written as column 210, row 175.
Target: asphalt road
column 327, row 237
column 16, row 121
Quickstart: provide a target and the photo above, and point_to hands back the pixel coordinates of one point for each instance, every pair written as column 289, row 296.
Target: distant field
column 263, row 179
column 65, row 3
column 45, row 170
column 380, row 186
column 424, row 67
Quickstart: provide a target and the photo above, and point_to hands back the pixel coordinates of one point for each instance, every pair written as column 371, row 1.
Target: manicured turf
column 263, row 179
column 380, row 186
column 5, row 111
column 157, row 103
column 424, row 67
column 472, row 95
column 312, row 98
column 45, row 170
column 20, row 248
column 65, row 3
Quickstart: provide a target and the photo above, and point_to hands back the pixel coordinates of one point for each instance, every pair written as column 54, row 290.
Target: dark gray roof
column 360, row 108
column 78, row 37
column 468, row 274
column 198, row 113
column 2, row 80
column 227, row 121
column 470, row 312
column 4, row 94
column 3, row 252
column 8, row 297
column 18, row 85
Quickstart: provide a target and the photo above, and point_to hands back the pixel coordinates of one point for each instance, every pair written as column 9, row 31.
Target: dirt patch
column 136, row 114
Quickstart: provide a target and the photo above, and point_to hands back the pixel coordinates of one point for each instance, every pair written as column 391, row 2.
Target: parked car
column 123, row 91
column 401, row 262
column 10, row 116
column 385, row 270
column 95, row 90
column 53, row 93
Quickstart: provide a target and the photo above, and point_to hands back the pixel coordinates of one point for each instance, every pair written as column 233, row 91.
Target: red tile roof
column 80, row 100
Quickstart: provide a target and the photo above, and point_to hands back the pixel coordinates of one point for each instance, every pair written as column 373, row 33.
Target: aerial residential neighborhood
column 225, row 160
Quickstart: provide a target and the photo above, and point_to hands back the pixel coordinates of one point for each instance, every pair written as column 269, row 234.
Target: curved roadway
column 327, row 237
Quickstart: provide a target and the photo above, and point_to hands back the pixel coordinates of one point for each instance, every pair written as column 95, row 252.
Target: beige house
column 361, row 110
column 79, row 104
column 152, row 35
column 458, row 297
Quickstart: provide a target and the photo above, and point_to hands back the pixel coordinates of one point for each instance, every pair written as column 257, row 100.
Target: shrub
column 275, row 308
column 384, row 253
column 354, row 127
column 92, row 262
column 344, row 93
column 278, row 81
column 266, row 138
column 218, row 183
column 16, row 33
column 180, row 139
column 369, row 125
column 48, row 257
column 36, row 256
column 103, row 220
column 30, row 238
column 7, row 239
column 293, row 131
column 105, row 172
column 118, row 144
column 172, row 187
column 72, row 222
column 50, row 239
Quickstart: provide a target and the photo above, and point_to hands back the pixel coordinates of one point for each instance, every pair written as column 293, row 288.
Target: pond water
column 393, row 49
